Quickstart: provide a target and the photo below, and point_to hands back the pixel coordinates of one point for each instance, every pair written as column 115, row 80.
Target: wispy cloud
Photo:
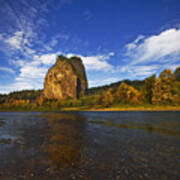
column 8, row 70
column 15, row 41
column 24, row 19
column 27, row 47
column 18, row 42
column 37, row 68
column 139, row 70
column 156, row 47
column 133, row 45
column 162, row 49
column 31, row 73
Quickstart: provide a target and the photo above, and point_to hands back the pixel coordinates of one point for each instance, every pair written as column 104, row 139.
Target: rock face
column 177, row 73
column 66, row 79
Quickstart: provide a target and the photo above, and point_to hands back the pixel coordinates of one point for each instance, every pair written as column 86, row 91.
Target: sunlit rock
column 66, row 79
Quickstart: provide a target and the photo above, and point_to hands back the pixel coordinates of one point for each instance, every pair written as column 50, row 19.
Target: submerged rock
column 66, row 79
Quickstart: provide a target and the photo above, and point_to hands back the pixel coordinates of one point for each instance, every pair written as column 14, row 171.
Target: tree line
column 161, row 90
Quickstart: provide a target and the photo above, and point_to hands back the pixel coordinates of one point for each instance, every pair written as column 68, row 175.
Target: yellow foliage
column 128, row 94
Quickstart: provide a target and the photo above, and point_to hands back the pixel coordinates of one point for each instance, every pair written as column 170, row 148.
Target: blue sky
column 116, row 39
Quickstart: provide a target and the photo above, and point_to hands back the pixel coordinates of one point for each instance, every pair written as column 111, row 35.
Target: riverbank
column 138, row 108
column 85, row 108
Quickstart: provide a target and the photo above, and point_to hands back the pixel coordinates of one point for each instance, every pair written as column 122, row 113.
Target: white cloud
column 140, row 37
column 37, row 68
column 16, row 40
column 18, row 62
column 20, row 85
column 133, row 45
column 53, row 42
column 8, row 70
column 171, row 66
column 139, row 71
column 29, row 51
column 19, row 41
column 97, row 62
column 32, row 72
column 47, row 59
column 149, row 55
column 156, row 47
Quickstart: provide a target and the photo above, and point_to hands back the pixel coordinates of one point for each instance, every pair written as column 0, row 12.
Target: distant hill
column 21, row 95
column 137, row 84
column 34, row 94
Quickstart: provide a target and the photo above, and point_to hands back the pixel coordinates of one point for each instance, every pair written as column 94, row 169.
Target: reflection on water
column 5, row 141
column 145, row 127
column 64, row 143
column 1, row 122
column 90, row 145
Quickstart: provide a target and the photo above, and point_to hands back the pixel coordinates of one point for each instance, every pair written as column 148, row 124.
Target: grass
column 125, row 107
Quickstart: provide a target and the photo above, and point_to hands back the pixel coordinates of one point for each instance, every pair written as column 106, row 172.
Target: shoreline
column 99, row 109
column 124, row 109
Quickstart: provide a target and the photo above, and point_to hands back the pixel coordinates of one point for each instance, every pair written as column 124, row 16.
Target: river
column 89, row 145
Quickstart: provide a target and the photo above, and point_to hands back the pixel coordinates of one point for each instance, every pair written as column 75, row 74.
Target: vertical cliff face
column 66, row 79
column 177, row 73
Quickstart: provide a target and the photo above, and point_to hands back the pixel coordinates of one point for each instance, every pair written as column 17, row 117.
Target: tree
column 127, row 94
column 157, row 91
column 167, row 79
column 149, row 82
column 106, row 98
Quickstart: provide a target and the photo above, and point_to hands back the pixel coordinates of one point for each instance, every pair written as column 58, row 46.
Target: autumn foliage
column 161, row 90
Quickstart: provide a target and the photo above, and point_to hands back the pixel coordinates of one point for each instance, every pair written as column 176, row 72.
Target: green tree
column 148, row 91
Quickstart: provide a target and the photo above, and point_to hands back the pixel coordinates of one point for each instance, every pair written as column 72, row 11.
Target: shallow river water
column 89, row 145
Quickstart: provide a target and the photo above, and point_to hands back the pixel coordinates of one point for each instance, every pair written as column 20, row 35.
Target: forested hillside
column 161, row 90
